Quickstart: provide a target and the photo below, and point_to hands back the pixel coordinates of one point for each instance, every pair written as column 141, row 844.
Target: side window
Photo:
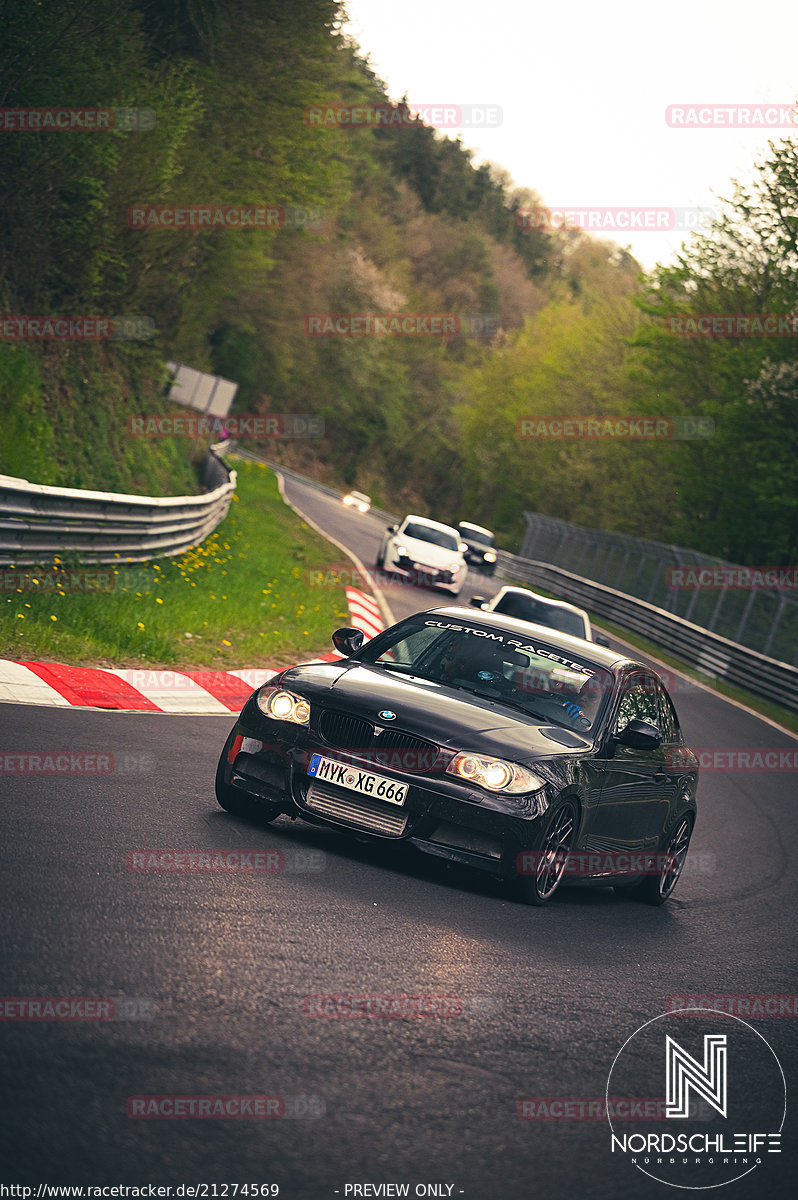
column 668, row 722
column 638, row 702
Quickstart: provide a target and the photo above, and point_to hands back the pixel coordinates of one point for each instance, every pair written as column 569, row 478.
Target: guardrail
column 37, row 522
column 716, row 656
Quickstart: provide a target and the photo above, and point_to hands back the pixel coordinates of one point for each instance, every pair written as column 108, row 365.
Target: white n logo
column 683, row 1072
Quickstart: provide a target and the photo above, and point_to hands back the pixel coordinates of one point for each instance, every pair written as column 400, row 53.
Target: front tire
column 237, row 802
column 551, row 859
column 655, row 889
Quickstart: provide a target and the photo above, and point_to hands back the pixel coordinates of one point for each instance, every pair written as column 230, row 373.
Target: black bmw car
column 484, row 740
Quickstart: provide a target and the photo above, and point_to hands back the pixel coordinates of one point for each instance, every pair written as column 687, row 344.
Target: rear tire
column 655, row 889
column 233, row 800
column 556, row 843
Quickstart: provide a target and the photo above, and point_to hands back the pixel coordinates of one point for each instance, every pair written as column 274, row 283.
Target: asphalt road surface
column 212, row 974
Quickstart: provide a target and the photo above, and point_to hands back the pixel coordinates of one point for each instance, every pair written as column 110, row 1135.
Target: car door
column 638, row 787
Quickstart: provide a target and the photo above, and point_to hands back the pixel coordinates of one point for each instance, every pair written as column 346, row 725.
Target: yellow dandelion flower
column 139, row 624
column 52, row 618
column 21, row 616
column 158, row 600
column 226, row 643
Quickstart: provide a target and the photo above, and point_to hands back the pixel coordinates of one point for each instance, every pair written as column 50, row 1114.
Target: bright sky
column 583, row 88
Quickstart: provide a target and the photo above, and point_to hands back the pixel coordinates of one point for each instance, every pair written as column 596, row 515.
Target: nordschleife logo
column 724, row 1100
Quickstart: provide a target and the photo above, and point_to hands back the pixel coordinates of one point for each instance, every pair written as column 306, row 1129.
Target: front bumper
column 426, row 576
column 442, row 816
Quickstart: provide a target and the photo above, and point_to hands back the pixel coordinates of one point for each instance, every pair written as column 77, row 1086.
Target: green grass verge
column 780, row 715
column 64, row 420
column 241, row 599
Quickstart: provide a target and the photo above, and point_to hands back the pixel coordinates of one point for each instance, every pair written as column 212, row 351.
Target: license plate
column 355, row 780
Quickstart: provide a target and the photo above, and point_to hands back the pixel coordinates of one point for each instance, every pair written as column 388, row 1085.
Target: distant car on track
column 358, row 500
column 480, row 551
column 527, row 605
column 536, row 756
column 425, row 551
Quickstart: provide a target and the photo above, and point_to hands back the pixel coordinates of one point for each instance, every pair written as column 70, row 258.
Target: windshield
column 427, row 533
column 547, row 684
column 471, row 534
column 528, row 608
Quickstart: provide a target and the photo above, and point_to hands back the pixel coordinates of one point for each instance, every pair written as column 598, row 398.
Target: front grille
column 345, row 732
column 362, row 811
column 352, row 733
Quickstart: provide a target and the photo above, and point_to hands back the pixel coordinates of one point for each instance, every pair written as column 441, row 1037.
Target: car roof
column 545, row 599
column 360, row 495
column 564, row 641
column 471, row 525
column 429, row 521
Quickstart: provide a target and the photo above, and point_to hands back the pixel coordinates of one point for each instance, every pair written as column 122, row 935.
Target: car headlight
column 489, row 556
column 401, row 551
column 454, row 567
column 283, row 705
column 495, row 774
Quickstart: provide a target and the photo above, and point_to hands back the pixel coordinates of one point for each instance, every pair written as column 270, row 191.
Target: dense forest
column 375, row 218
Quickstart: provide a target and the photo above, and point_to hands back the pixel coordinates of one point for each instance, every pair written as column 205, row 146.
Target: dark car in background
column 487, row 741
column 480, row 551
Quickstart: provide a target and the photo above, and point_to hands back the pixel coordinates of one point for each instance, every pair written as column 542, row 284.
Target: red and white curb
column 150, row 690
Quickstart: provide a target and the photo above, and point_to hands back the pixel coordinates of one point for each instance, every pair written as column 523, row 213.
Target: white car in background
column 526, row 605
column 358, row 500
column 427, row 552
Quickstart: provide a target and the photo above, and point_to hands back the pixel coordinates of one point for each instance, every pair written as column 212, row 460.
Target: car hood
column 433, row 711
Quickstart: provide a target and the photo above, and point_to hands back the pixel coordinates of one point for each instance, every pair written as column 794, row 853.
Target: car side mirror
column 601, row 640
column 639, row 735
column 477, row 601
column 392, row 529
column 347, row 641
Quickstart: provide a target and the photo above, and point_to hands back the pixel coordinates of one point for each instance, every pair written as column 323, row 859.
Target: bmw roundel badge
column 385, row 714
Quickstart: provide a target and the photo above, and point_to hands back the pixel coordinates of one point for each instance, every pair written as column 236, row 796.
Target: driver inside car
column 473, row 664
